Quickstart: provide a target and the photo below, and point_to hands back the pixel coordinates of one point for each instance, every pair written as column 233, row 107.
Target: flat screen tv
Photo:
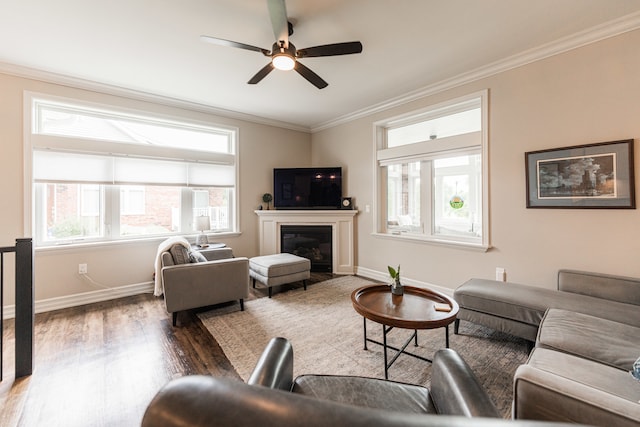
column 307, row 188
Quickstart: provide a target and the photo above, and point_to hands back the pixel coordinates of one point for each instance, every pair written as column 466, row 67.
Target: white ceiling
column 153, row 46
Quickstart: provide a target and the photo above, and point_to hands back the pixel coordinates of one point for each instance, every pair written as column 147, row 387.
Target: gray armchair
column 218, row 278
column 454, row 388
column 272, row 397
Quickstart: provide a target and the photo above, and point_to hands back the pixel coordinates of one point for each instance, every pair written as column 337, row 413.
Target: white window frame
column 33, row 141
column 461, row 144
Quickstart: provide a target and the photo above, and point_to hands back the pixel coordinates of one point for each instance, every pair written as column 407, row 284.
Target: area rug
column 327, row 338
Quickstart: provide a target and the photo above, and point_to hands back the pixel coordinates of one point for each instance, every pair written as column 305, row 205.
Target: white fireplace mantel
column 342, row 238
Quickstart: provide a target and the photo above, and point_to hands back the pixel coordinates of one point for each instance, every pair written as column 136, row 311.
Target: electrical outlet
column 501, row 274
column 82, row 268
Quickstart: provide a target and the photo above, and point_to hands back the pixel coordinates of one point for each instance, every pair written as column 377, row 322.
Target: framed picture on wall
column 592, row 176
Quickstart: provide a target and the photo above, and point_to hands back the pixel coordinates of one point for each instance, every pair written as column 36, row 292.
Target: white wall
column 587, row 95
column 125, row 267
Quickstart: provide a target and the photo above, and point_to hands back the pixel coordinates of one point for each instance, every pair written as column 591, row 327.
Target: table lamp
column 202, row 224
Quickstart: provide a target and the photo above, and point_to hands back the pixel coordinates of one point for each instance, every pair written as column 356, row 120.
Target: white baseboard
column 384, row 278
column 75, row 300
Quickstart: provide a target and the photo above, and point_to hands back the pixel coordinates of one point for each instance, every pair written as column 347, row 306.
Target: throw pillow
column 195, row 256
column 180, row 254
column 635, row 371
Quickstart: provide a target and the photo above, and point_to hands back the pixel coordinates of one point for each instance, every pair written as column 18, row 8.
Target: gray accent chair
column 273, row 398
column 218, row 278
column 454, row 388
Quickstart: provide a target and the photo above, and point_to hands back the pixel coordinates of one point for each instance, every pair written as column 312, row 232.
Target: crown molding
column 79, row 83
column 609, row 29
column 595, row 34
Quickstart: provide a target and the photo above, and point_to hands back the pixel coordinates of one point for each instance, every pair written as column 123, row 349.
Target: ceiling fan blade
column 334, row 49
column 312, row 77
column 278, row 14
column 261, row 74
column 229, row 43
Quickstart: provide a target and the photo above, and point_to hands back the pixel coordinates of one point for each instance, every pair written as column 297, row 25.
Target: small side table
column 413, row 310
column 209, row 246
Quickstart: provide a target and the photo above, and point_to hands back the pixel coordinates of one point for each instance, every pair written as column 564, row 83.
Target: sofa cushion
column 180, row 254
column 556, row 386
column 366, row 392
column 605, row 341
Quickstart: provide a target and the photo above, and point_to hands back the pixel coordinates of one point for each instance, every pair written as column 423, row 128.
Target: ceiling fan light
column 283, row 62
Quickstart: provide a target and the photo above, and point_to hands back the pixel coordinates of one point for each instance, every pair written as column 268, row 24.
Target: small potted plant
column 396, row 286
column 267, row 198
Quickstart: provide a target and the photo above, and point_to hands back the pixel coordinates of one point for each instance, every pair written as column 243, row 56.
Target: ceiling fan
column 283, row 54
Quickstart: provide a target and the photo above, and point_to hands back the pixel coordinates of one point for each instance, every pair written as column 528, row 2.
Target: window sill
column 127, row 242
column 478, row 247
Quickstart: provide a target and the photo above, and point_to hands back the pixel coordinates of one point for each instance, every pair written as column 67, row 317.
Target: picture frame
column 590, row 176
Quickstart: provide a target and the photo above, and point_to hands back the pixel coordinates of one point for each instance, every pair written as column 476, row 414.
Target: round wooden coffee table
column 418, row 308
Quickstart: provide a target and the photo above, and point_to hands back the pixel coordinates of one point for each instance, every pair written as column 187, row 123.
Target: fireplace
column 309, row 241
column 342, row 222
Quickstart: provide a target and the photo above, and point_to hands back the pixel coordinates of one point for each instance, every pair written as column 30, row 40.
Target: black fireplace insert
column 309, row 241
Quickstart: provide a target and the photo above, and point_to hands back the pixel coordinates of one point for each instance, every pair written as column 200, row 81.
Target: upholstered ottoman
column 279, row 269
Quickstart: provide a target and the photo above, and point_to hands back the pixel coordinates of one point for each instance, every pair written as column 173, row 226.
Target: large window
column 102, row 174
column 432, row 174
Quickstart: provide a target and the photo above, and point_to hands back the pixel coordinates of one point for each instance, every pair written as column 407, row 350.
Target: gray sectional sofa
column 587, row 337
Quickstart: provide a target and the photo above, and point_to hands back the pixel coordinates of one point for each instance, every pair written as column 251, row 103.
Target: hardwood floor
column 101, row 364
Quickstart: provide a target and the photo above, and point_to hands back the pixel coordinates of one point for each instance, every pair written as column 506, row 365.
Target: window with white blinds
column 60, row 166
column 102, row 173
